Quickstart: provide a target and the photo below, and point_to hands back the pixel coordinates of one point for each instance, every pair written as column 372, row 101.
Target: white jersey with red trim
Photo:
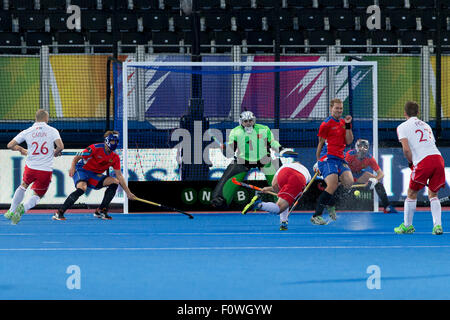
column 40, row 139
column 297, row 167
column 420, row 138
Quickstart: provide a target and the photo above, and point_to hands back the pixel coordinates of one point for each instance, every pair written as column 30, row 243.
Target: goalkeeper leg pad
column 225, row 189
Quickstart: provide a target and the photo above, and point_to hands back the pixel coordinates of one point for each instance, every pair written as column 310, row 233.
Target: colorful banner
column 19, row 87
column 399, row 80
column 78, row 86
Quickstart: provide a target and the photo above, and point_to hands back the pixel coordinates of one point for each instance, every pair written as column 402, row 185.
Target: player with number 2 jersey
column 427, row 165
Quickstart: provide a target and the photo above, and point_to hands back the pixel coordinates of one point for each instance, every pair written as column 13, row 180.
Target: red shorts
column 291, row 184
column 428, row 172
column 40, row 180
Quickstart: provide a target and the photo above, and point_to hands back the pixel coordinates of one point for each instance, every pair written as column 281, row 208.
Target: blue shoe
column 252, row 205
column 390, row 209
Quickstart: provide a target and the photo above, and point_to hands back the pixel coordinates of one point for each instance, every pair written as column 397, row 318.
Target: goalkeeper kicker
column 249, row 144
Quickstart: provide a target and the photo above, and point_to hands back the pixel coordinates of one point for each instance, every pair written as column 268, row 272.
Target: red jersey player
column 87, row 171
column 41, row 140
column 427, row 165
column 336, row 133
column 359, row 160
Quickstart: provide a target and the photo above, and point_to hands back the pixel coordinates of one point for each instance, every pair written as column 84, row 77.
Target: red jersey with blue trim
column 333, row 131
column 356, row 164
column 98, row 160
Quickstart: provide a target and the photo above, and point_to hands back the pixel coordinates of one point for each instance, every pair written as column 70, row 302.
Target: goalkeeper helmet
column 245, row 117
column 112, row 140
column 362, row 147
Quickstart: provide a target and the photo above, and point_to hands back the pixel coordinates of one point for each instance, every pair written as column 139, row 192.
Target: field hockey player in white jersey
column 427, row 165
column 289, row 182
column 41, row 140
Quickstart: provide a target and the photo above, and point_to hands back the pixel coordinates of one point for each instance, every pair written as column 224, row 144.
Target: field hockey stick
column 301, row 196
column 249, row 186
column 74, row 153
column 164, row 207
column 358, row 185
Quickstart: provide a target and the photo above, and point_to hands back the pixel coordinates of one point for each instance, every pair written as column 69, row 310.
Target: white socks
column 409, row 209
column 436, row 210
column 18, row 197
column 270, row 207
column 284, row 215
column 32, row 202
column 273, row 208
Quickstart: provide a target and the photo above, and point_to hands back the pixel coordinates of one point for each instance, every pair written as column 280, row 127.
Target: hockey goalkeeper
column 249, row 144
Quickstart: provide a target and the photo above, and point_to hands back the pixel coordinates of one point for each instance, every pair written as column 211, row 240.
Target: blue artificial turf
column 223, row 257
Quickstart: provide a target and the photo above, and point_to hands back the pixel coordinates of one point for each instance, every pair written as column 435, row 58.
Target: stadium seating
column 292, row 41
column 225, row 39
column 310, row 19
column 84, row 4
column 386, row 41
column 217, row 20
column 53, row 5
column 205, row 39
column 391, row 4
column 156, row 20
column 422, row 3
column 229, row 22
column 10, row 43
column 37, row 39
column 21, row 5
column 5, row 21
column 299, row 3
column 402, row 19
column 145, row 4
column 208, row 4
column 319, row 39
column 163, row 38
column 360, row 4
column 248, row 19
column 239, row 4
column 58, row 22
column 94, row 21
column 70, row 42
column 341, row 19
column 355, row 40
column 259, row 41
column 101, row 41
column 129, row 41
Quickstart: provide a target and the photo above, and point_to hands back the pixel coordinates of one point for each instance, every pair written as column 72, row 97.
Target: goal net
column 173, row 115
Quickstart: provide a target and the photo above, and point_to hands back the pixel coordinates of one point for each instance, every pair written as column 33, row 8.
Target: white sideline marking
column 283, row 234
column 219, row 248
